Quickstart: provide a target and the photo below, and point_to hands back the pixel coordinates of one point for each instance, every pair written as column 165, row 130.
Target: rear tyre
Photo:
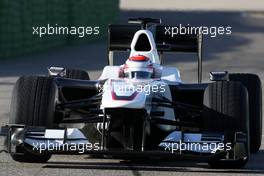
column 33, row 104
column 89, row 128
column 226, row 110
column 77, row 74
column 253, row 84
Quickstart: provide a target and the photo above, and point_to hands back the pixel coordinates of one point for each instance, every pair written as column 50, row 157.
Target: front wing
column 177, row 145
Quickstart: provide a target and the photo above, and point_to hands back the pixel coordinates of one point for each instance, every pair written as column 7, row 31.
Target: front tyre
column 227, row 111
column 33, row 104
column 253, row 84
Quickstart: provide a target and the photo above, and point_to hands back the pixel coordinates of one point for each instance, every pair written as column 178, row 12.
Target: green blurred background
column 17, row 17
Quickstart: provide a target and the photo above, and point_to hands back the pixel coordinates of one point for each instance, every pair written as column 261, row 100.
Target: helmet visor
column 138, row 75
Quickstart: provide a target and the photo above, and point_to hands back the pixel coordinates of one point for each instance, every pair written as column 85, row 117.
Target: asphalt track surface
column 240, row 52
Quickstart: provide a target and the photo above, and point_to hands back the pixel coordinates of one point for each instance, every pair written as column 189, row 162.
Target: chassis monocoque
column 218, row 121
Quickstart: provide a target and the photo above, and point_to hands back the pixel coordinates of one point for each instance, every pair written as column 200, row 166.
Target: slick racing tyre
column 253, row 84
column 33, row 104
column 72, row 93
column 227, row 110
column 77, row 74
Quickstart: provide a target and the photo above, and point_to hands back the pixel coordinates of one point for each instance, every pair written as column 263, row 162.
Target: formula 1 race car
column 140, row 109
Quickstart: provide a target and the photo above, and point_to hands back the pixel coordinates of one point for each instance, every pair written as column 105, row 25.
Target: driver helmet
column 138, row 67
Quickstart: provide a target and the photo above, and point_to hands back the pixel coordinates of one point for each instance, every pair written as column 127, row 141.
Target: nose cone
column 122, row 94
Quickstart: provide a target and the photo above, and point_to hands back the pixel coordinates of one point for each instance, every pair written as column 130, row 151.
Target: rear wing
column 120, row 38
